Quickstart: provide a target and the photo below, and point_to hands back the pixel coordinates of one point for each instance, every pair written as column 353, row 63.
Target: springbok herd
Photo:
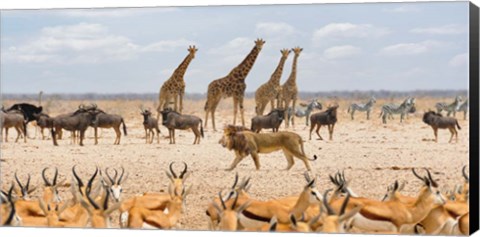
column 333, row 209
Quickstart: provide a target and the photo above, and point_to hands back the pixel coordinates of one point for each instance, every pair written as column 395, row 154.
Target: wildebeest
column 272, row 120
column 327, row 117
column 43, row 121
column 173, row 120
column 151, row 126
column 27, row 110
column 104, row 120
column 13, row 118
column 437, row 121
column 79, row 121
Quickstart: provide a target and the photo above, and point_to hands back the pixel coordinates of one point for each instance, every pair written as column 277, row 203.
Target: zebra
column 408, row 106
column 362, row 107
column 464, row 108
column 450, row 108
column 300, row 112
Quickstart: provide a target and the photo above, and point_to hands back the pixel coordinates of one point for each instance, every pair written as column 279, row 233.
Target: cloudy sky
column 387, row 46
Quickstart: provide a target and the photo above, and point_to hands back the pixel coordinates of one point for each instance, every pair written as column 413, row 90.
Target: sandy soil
column 373, row 155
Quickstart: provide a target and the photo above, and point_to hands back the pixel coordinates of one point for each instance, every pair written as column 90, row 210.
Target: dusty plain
column 373, row 155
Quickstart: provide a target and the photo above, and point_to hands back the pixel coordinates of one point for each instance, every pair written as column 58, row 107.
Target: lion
column 245, row 142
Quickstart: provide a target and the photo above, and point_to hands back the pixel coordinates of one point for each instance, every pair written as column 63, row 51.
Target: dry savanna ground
column 373, row 155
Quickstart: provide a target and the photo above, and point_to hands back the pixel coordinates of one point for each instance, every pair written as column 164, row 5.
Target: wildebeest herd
column 93, row 201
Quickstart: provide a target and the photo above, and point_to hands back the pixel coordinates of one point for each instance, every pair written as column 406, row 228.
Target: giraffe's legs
column 293, row 109
column 286, row 103
column 181, row 101
column 213, row 117
column 207, row 111
column 160, row 107
column 235, row 109
column 240, row 100
column 175, row 101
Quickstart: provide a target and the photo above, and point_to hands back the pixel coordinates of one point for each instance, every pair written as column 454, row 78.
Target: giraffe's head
column 192, row 50
column 285, row 52
column 259, row 43
column 297, row 50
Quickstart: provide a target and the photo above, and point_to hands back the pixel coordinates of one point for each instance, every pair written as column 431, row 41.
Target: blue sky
column 384, row 46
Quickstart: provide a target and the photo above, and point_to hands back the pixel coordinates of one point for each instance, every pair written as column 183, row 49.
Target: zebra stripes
column 362, row 107
column 450, row 108
column 464, row 108
column 403, row 109
column 299, row 112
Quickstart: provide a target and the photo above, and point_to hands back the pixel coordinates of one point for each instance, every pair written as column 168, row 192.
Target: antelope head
column 99, row 215
column 335, row 222
column 310, row 193
column 52, row 211
column 392, row 190
column 50, row 193
column 24, row 191
column 12, row 219
column 178, row 181
column 114, row 184
column 430, row 190
column 237, row 189
column 78, row 186
column 228, row 215
column 341, row 184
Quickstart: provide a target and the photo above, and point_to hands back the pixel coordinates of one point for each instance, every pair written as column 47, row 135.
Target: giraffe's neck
column 241, row 71
column 293, row 75
column 275, row 79
column 182, row 68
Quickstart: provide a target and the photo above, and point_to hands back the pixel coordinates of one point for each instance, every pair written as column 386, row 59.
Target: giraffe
column 269, row 91
column 289, row 88
column 233, row 85
column 175, row 85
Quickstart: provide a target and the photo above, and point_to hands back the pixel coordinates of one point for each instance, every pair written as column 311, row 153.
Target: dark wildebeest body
column 78, row 121
column 13, row 118
column 173, row 120
column 43, row 121
column 437, row 121
column 28, row 111
column 104, row 120
column 272, row 120
column 150, row 124
column 327, row 117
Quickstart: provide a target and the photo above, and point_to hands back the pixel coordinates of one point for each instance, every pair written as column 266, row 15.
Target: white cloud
column 83, row 43
column 335, row 31
column 344, row 51
column 403, row 9
column 412, row 48
column 113, row 12
column 459, row 60
column 451, row 29
column 167, row 45
column 234, row 46
column 80, row 43
column 274, row 28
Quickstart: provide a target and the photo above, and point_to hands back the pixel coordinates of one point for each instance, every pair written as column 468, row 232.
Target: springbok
column 140, row 217
column 393, row 216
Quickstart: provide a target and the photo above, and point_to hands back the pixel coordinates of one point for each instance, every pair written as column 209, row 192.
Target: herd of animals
column 92, row 202
column 430, row 212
